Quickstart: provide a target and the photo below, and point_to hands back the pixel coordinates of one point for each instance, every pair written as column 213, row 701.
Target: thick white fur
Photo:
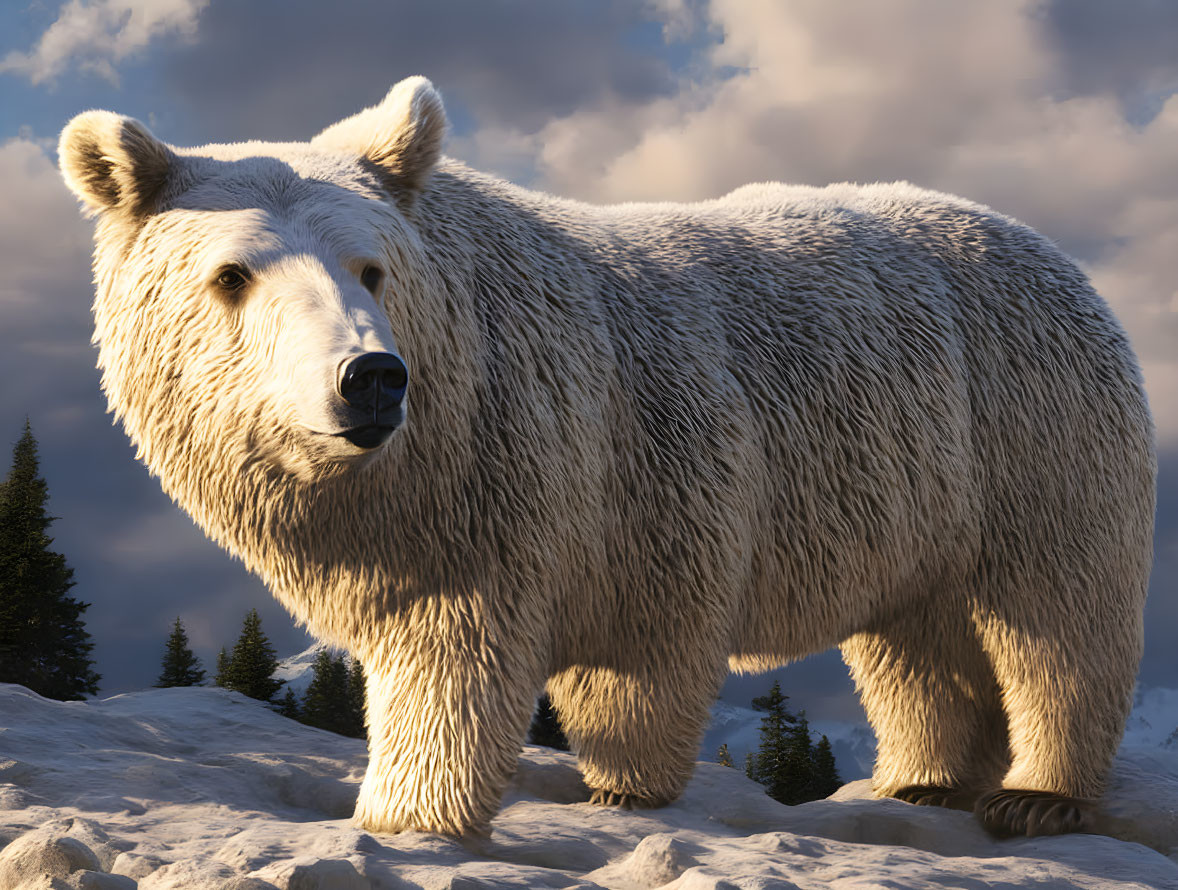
column 644, row 444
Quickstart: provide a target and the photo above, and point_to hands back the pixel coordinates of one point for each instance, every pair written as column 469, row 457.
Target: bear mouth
column 370, row 435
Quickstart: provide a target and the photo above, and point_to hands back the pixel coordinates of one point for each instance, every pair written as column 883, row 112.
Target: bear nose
column 374, row 381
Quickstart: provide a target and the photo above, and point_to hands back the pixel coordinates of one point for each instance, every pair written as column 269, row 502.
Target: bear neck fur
column 449, row 506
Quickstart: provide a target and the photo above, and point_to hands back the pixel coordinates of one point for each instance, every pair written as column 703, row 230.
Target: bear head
column 244, row 292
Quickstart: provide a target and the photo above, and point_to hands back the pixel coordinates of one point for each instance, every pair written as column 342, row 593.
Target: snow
column 204, row 789
column 298, row 670
column 1154, row 720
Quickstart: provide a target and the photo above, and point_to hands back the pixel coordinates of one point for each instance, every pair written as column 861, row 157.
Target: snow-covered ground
column 204, row 789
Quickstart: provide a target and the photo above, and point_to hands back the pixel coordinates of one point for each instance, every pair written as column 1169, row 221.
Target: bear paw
column 603, row 798
column 1012, row 812
column 951, row 796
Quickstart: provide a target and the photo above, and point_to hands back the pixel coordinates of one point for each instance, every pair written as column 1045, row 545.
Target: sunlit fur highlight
column 643, row 444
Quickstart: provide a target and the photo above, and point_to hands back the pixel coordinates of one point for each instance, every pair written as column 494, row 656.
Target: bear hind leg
column 933, row 702
column 1066, row 686
column 636, row 737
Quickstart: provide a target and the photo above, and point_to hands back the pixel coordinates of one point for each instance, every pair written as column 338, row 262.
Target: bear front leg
column 636, row 737
column 446, row 720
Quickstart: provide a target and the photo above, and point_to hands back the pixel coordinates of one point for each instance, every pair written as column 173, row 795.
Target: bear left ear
column 113, row 162
column 402, row 136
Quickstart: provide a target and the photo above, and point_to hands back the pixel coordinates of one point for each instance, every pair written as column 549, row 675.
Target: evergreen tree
column 249, row 669
column 723, row 757
column 222, row 677
column 784, row 764
column 326, row 703
column 769, row 764
column 546, row 729
column 790, row 766
column 289, row 706
column 826, row 775
column 357, row 700
column 180, row 666
column 773, row 699
column 43, row 642
column 794, row 783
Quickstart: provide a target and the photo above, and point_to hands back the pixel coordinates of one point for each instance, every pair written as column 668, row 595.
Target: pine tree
column 180, row 666
column 249, row 669
column 723, row 757
column 794, row 784
column 43, row 642
column 357, row 700
column 326, row 702
column 790, row 766
column 785, row 762
column 826, row 775
column 769, row 764
column 222, row 677
column 289, row 705
column 546, row 729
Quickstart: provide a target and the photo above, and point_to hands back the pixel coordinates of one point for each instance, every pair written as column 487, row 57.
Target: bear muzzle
column 373, row 387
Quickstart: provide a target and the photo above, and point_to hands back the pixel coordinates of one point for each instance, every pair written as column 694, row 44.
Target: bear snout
column 373, row 386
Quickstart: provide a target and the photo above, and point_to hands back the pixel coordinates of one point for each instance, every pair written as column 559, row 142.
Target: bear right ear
column 402, row 136
column 112, row 162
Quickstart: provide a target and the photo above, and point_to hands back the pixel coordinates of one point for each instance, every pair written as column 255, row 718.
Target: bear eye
column 371, row 278
column 232, row 278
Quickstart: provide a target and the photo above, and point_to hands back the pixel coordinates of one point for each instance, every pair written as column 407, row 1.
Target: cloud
column 1123, row 49
column 520, row 64
column 979, row 99
column 44, row 271
column 96, row 35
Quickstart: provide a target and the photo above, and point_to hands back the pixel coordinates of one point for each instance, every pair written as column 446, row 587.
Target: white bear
column 491, row 440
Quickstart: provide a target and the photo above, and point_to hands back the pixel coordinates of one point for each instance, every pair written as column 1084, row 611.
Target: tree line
column 792, row 767
column 334, row 699
column 45, row 647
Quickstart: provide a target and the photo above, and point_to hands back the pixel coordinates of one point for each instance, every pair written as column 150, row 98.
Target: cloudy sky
column 1060, row 113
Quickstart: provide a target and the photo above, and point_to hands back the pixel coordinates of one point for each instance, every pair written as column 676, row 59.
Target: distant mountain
column 1154, row 720
column 297, row 670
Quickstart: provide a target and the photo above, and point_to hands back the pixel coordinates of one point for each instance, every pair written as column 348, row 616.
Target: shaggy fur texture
column 644, row 444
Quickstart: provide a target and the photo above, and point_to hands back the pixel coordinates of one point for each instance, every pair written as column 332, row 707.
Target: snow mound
column 204, row 789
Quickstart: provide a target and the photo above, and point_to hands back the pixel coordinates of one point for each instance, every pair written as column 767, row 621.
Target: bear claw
column 1014, row 812
column 603, row 798
column 952, row 796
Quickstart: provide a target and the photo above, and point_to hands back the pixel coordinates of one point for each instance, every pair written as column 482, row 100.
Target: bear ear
column 402, row 136
column 112, row 162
